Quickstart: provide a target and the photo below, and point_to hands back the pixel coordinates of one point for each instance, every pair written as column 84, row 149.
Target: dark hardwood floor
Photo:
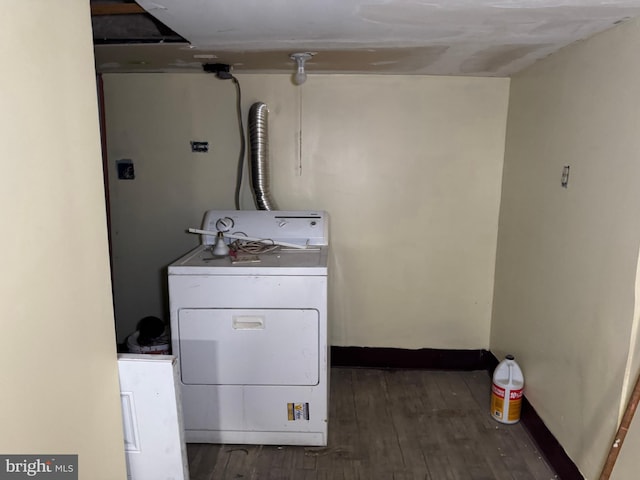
column 392, row 424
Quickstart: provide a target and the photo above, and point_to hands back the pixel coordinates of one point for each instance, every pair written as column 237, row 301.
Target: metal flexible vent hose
column 259, row 164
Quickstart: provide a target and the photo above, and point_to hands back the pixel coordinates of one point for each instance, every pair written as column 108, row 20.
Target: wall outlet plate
column 125, row 169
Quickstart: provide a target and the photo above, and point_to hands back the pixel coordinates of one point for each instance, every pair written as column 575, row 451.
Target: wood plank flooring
column 392, row 424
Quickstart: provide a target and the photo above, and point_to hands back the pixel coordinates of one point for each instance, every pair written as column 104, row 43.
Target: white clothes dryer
column 250, row 331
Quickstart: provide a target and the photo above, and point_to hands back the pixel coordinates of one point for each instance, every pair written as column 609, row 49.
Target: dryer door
column 220, row 346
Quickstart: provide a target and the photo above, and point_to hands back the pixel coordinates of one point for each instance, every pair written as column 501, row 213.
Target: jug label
column 497, row 401
column 506, row 410
column 498, row 391
column 515, row 405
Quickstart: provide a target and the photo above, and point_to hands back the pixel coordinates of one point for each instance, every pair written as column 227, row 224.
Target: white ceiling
column 438, row 37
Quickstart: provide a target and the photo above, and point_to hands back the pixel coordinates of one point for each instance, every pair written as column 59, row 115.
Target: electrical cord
column 240, row 169
column 223, row 72
column 253, row 247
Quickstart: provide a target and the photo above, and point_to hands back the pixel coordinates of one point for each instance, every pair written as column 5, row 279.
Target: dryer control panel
column 297, row 227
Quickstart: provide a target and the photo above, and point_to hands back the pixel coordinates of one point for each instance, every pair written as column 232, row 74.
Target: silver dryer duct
column 259, row 157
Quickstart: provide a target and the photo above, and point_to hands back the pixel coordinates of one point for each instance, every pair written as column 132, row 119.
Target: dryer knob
column 224, row 224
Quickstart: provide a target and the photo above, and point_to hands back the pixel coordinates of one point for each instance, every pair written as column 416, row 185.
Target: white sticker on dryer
column 297, row 411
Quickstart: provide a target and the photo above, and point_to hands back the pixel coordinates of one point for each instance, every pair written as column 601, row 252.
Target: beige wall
column 59, row 378
column 409, row 169
column 566, row 266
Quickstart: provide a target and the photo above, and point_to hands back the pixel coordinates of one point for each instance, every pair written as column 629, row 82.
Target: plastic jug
column 506, row 391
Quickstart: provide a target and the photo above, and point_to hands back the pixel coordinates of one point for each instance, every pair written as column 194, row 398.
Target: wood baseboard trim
column 466, row 360
column 428, row 358
column 548, row 444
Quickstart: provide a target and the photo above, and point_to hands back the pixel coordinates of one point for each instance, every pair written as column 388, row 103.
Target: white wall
column 409, row 169
column 59, row 373
column 566, row 266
